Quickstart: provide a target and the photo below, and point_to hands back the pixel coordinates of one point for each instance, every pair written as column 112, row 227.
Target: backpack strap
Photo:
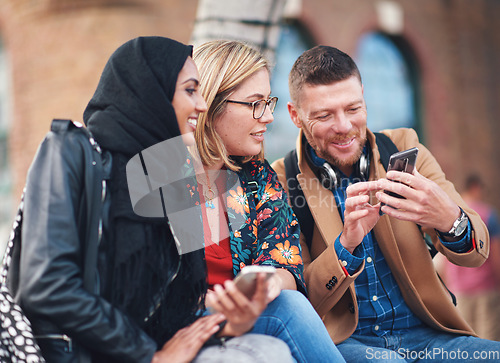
column 296, row 196
column 385, row 147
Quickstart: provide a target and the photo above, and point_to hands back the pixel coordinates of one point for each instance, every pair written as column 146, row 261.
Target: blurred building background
column 427, row 64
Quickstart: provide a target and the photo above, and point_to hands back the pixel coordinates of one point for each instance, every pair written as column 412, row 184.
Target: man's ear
column 294, row 115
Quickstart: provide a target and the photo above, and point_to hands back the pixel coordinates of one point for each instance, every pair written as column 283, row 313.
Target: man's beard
column 322, row 152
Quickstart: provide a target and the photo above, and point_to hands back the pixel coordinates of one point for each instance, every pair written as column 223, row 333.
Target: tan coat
column 401, row 243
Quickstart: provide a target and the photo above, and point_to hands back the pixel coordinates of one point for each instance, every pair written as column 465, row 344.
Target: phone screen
column 246, row 280
column 402, row 161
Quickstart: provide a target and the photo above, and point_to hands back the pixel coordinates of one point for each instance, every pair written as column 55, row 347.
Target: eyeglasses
column 259, row 106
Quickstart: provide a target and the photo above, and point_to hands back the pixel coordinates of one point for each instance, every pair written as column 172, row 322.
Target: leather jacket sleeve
column 51, row 288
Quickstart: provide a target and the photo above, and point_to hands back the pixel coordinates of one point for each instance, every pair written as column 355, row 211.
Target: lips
column 258, row 133
column 192, row 122
column 343, row 143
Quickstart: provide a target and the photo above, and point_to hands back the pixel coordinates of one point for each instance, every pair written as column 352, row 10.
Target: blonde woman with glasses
column 245, row 210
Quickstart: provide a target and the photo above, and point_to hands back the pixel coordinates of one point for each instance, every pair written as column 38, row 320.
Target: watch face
column 461, row 227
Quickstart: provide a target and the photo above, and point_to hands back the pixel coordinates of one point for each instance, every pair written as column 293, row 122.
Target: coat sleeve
column 51, row 284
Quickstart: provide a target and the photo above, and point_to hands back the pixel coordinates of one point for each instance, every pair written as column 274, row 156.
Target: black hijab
column 130, row 111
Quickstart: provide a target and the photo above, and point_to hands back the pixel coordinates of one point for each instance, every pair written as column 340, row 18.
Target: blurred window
column 390, row 80
column 282, row 133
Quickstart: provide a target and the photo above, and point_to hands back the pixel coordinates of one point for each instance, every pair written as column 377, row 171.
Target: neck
column 346, row 169
column 210, row 174
column 213, row 168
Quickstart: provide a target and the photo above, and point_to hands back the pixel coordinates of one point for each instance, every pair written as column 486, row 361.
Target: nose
column 201, row 104
column 342, row 124
column 267, row 117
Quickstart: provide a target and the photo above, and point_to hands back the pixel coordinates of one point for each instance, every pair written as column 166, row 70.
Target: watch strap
column 452, row 232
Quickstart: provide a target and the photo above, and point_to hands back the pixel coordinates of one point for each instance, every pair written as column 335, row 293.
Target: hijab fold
column 130, row 111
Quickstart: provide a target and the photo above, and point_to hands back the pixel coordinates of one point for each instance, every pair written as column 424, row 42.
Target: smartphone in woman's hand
column 246, row 280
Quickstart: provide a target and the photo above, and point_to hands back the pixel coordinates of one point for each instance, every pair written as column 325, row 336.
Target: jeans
column 291, row 318
column 422, row 344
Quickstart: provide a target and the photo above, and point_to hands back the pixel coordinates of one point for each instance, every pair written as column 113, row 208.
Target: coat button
column 481, row 244
column 329, row 286
column 351, row 308
column 334, row 279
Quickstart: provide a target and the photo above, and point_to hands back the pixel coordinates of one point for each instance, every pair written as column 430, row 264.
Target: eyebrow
column 315, row 113
column 191, row 79
column 258, row 95
column 355, row 102
column 350, row 104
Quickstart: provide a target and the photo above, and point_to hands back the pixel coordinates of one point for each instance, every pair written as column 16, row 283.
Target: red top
column 218, row 257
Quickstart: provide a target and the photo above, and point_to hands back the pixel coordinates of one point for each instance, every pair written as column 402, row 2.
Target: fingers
column 415, row 180
column 260, row 297
column 241, row 313
column 275, row 285
column 356, row 202
column 203, row 327
column 196, row 334
column 228, row 299
column 403, row 184
column 362, row 188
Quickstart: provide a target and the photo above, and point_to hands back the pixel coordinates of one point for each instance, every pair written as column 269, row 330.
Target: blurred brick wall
column 457, row 45
column 58, row 49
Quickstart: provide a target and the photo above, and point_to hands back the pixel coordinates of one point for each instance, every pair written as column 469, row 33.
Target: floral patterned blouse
column 263, row 228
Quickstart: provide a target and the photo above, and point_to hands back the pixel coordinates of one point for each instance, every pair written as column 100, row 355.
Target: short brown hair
column 320, row 65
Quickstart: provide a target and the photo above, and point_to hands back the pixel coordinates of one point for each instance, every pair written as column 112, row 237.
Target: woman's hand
column 187, row 342
column 240, row 312
column 282, row 280
column 275, row 284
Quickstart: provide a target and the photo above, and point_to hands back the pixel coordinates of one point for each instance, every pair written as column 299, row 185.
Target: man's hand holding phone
column 400, row 163
column 419, row 199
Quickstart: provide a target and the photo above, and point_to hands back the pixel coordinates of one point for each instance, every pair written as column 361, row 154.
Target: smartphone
column 403, row 161
column 246, row 280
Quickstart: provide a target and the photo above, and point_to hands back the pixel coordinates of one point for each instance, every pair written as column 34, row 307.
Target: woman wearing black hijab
column 146, row 303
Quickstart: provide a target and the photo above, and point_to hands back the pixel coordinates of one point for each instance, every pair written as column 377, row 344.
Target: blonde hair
column 223, row 66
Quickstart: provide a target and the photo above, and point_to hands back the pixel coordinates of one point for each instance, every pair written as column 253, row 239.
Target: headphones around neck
column 330, row 177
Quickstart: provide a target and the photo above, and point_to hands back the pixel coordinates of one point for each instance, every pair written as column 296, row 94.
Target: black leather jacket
column 52, row 280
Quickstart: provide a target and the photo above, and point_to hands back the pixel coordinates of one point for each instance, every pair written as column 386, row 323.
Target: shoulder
column 279, row 167
column 71, row 146
column 262, row 173
column 403, row 138
column 70, row 135
column 257, row 169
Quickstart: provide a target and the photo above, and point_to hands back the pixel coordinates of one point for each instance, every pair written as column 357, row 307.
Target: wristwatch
column 459, row 226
